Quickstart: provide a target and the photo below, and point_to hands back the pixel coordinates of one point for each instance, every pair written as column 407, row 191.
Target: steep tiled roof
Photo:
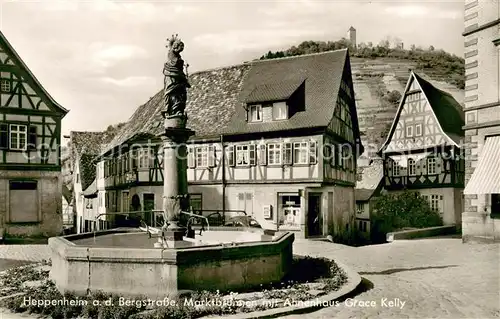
column 371, row 175
column 448, row 111
column 216, row 99
column 91, row 190
column 279, row 91
column 85, row 146
column 212, row 100
column 363, row 194
column 323, row 74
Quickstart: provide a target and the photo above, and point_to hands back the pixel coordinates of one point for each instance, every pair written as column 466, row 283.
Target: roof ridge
column 87, row 131
column 433, row 86
column 220, row 68
column 299, row 56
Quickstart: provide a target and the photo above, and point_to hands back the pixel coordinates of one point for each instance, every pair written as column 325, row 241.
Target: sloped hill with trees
column 380, row 74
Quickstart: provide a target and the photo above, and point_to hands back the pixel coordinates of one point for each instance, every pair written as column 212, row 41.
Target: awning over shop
column 402, row 160
column 486, row 176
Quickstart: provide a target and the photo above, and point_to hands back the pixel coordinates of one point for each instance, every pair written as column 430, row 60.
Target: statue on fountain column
column 176, row 82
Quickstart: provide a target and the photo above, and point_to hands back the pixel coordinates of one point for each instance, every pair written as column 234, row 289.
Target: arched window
column 411, row 167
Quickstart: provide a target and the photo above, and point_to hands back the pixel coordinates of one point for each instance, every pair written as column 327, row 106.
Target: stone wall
column 49, row 191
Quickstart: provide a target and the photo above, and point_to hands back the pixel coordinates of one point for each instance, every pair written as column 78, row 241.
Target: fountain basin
column 123, row 262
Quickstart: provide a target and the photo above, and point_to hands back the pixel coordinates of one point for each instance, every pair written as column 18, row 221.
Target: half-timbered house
column 84, row 147
column 423, row 148
column 268, row 137
column 368, row 186
column 30, row 135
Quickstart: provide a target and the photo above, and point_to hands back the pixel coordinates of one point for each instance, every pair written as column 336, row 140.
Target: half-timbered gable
column 423, row 148
column 30, row 120
column 261, row 128
column 30, row 164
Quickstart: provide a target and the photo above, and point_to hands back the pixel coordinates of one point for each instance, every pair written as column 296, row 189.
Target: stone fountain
column 130, row 263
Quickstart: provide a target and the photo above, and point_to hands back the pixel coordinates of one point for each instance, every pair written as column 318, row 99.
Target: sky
column 102, row 59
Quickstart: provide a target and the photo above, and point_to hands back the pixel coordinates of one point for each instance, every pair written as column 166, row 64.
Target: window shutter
column 4, row 135
column 313, row 152
column 252, row 154
column 211, row 156
column 230, row 155
column 287, row 153
column 32, row 137
column 191, row 157
column 261, row 154
column 134, row 159
column 333, row 160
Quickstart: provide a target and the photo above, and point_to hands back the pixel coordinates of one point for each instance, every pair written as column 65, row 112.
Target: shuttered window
column 287, row 154
column 313, row 152
column 32, row 137
column 262, row 154
column 4, row 136
column 191, row 157
column 211, row 156
column 134, row 159
column 301, row 153
column 230, row 155
column 252, row 154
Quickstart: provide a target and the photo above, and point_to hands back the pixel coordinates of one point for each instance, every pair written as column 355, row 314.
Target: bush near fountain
column 309, row 278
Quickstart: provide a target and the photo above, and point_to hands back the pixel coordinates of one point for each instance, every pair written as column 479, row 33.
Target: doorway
column 149, row 205
column 314, row 214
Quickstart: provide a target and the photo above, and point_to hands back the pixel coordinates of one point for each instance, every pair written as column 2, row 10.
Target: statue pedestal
column 175, row 187
column 173, row 239
column 174, row 121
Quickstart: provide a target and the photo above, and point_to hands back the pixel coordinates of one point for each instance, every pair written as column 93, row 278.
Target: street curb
column 353, row 281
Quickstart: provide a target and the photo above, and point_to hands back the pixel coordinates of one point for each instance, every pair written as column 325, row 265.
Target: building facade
column 481, row 216
column 424, row 146
column 268, row 143
column 368, row 186
column 80, row 172
column 30, row 163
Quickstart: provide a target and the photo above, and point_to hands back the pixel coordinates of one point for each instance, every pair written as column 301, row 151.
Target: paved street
column 435, row 278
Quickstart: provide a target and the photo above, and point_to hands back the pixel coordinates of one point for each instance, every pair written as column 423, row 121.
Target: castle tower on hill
column 351, row 36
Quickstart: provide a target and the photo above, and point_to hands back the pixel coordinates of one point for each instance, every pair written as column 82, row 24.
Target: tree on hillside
column 394, row 97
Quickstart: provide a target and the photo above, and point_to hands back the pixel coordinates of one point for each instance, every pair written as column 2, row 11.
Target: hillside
column 379, row 70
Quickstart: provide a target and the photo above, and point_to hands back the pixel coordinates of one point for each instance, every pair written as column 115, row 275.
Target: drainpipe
column 223, row 159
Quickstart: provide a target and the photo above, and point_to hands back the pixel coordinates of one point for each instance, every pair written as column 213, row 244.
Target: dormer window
column 280, row 111
column 255, row 113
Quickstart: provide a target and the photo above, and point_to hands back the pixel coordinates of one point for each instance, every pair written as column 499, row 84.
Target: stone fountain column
column 175, row 187
column 175, row 136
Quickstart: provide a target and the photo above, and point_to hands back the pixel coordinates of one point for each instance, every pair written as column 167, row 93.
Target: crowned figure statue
column 176, row 82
